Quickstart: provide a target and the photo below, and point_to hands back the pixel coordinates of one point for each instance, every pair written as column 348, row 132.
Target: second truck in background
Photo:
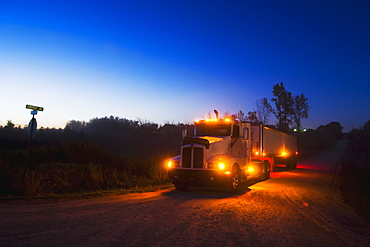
column 277, row 147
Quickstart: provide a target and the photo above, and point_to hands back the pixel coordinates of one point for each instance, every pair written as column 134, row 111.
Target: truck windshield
column 214, row 129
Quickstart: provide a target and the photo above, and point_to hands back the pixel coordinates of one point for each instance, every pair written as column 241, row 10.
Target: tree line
column 118, row 135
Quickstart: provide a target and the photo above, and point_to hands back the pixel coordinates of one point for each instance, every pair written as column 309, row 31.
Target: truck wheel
column 262, row 174
column 267, row 167
column 233, row 181
column 287, row 164
column 294, row 163
column 291, row 163
column 181, row 187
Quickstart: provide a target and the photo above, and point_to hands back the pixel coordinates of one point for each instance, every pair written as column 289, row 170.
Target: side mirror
column 184, row 133
column 235, row 131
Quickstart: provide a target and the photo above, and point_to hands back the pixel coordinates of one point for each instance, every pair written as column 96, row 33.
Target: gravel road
column 299, row 207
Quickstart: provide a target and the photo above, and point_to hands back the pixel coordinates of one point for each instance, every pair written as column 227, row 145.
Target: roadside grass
column 63, row 180
column 355, row 188
column 75, row 170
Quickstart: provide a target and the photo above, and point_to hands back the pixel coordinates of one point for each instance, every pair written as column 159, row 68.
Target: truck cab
column 217, row 153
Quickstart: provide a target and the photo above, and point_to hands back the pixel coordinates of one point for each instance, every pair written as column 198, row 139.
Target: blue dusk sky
column 175, row 61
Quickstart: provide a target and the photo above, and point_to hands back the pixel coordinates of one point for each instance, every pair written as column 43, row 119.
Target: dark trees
column 300, row 110
column 331, row 131
column 287, row 109
column 283, row 106
column 367, row 128
column 252, row 117
column 263, row 110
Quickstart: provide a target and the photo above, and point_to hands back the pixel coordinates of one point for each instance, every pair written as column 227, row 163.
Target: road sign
column 35, row 108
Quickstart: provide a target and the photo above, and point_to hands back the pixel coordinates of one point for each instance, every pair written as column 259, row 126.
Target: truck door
column 236, row 141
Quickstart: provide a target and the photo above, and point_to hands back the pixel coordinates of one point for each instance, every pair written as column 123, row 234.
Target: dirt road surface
column 299, row 207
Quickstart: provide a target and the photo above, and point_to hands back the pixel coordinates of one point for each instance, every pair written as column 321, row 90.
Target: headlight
column 221, row 166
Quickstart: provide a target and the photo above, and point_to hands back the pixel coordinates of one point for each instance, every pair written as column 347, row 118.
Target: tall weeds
column 74, row 168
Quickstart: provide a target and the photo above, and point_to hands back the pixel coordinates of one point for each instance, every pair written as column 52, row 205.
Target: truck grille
column 192, row 157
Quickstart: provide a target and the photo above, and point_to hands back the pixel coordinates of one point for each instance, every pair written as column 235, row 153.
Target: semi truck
column 224, row 152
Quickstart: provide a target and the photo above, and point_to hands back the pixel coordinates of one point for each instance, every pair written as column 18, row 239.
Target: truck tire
column 233, row 181
column 294, row 163
column 265, row 170
column 268, row 171
column 262, row 174
column 288, row 164
column 181, row 187
column 291, row 163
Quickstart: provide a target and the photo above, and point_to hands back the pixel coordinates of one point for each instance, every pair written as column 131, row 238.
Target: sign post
column 32, row 126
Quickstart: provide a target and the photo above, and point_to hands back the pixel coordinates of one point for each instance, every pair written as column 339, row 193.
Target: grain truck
column 224, row 152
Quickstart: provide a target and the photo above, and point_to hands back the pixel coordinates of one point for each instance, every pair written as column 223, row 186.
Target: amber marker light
column 169, row 164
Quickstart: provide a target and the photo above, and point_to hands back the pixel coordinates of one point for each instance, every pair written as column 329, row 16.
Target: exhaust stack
column 216, row 112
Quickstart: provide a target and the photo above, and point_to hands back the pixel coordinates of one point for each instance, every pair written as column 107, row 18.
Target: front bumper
column 199, row 178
